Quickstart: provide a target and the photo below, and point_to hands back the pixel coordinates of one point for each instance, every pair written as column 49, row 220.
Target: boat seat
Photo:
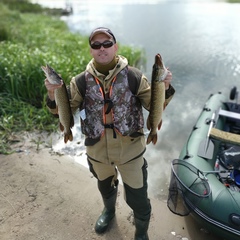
column 232, row 116
column 229, row 114
column 225, row 136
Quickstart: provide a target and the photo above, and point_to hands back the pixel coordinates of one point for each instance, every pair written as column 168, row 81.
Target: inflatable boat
column 205, row 179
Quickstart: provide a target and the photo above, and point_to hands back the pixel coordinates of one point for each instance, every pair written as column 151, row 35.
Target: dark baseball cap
column 104, row 30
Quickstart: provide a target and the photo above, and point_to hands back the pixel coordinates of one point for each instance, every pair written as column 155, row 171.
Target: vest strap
column 110, row 105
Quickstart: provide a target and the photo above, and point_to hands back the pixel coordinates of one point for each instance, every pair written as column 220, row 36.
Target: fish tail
column 152, row 138
column 68, row 136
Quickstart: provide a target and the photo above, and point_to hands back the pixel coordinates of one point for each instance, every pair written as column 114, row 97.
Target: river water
column 198, row 40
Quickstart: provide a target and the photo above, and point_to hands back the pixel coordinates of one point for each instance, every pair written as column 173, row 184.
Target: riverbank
column 48, row 196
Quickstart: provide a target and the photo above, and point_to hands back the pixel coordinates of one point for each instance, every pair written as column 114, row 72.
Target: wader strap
column 112, row 127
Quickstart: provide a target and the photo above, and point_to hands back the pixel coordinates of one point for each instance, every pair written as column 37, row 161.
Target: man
column 110, row 95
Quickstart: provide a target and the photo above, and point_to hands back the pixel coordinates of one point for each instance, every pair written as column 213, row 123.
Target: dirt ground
column 45, row 196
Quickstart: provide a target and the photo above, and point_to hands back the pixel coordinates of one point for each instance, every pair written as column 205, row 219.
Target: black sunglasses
column 98, row 45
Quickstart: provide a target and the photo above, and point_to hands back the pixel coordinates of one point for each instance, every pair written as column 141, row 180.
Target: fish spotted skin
column 154, row 121
column 62, row 101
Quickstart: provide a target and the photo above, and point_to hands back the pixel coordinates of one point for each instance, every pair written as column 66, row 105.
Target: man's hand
column 168, row 79
column 50, row 88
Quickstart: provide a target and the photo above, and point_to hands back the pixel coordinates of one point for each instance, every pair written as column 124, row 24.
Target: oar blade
column 206, row 149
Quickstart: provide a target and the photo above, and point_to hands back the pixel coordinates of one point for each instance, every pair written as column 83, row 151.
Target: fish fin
column 148, row 124
column 71, row 122
column 61, row 127
column 160, row 125
column 164, row 105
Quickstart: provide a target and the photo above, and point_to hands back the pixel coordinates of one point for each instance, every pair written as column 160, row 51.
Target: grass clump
column 18, row 116
column 25, row 6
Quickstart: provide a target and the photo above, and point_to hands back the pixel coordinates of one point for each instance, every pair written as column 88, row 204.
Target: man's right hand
column 50, row 88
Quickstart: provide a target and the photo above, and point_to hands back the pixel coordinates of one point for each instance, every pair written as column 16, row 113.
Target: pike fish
column 62, row 101
column 154, row 121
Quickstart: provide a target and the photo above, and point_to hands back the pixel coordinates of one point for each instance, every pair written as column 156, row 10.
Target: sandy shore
column 45, row 196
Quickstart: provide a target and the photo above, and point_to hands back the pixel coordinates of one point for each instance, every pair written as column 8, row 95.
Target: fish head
column 51, row 75
column 159, row 61
column 159, row 69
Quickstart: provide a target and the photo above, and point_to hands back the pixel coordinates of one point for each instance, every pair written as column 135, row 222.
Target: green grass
column 28, row 41
column 17, row 116
column 233, row 1
column 25, row 6
column 38, row 41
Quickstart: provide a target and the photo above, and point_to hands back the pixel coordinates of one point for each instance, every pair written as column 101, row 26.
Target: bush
column 23, row 6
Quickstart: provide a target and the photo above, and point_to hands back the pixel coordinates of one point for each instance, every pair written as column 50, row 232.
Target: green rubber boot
column 141, row 229
column 107, row 215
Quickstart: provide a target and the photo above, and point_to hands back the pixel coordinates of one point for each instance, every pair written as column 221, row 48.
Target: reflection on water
column 199, row 41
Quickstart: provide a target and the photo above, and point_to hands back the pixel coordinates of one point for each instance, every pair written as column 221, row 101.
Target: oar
column 206, row 147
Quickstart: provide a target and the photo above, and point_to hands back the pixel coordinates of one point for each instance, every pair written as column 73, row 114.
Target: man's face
column 103, row 55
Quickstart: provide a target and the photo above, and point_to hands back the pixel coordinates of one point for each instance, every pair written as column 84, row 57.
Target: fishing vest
column 123, row 105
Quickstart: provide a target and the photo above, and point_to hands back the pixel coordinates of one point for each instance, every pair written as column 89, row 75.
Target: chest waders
column 137, row 199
